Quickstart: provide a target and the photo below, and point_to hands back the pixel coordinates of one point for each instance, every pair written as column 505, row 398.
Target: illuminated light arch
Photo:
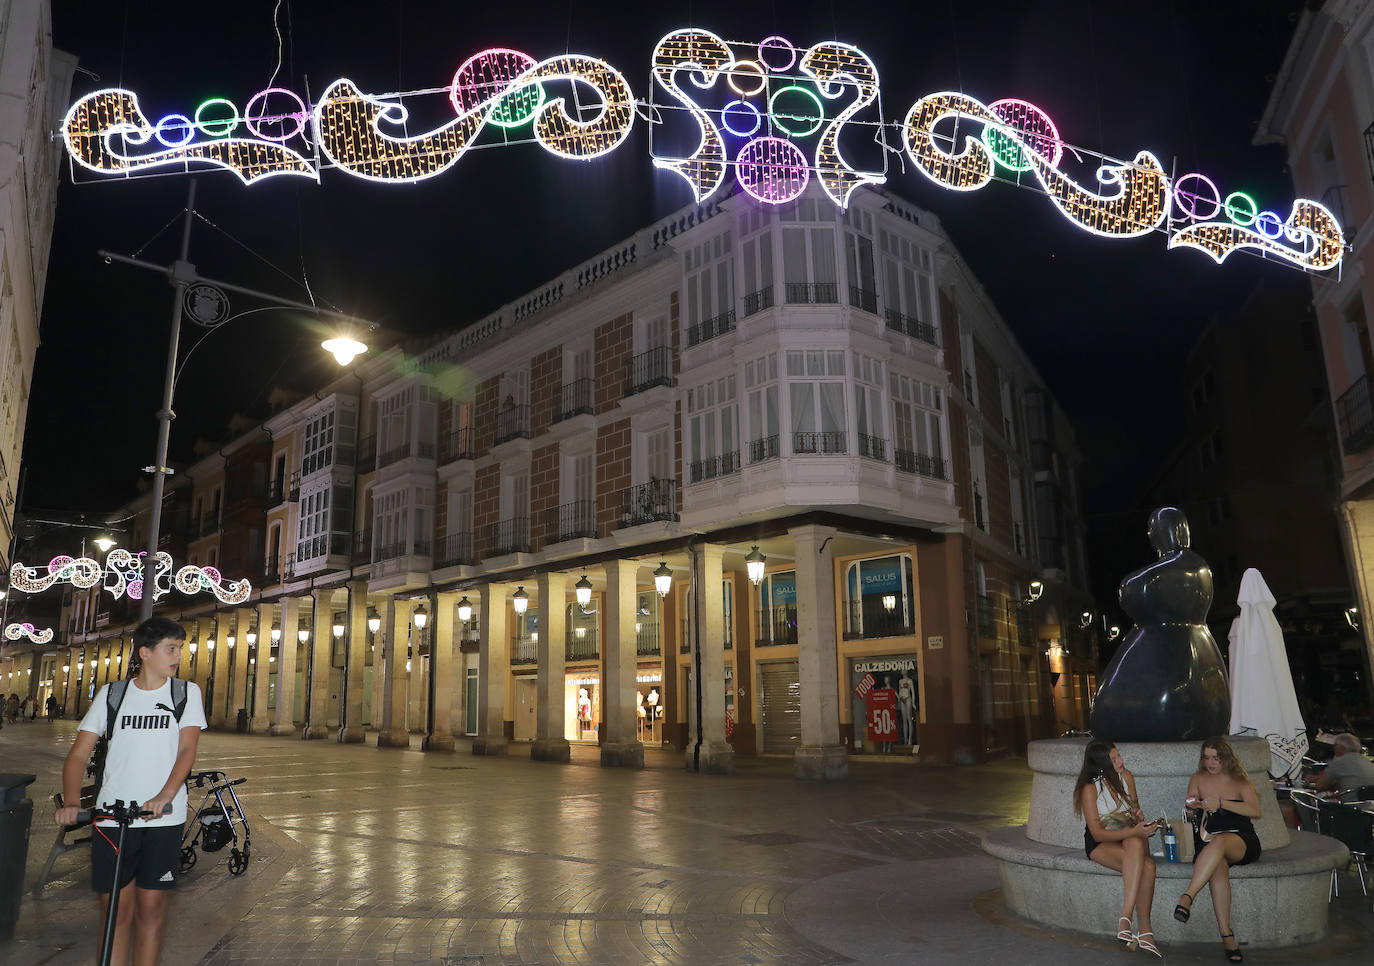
column 94, row 121
column 772, row 170
column 81, row 572
column 777, row 43
column 829, row 63
column 705, row 55
column 1033, row 127
column 14, row 632
column 192, row 580
column 229, row 123
column 741, row 107
column 254, row 122
column 1310, row 224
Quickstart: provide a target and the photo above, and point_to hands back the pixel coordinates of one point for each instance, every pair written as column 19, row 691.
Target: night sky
column 1108, row 323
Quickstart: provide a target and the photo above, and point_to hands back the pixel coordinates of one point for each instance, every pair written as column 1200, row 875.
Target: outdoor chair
column 1355, row 830
column 1312, row 818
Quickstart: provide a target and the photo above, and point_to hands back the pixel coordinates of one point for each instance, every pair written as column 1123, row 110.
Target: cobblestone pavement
column 363, row 855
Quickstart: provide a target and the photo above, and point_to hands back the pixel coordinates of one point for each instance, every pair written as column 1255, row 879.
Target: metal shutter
column 780, row 697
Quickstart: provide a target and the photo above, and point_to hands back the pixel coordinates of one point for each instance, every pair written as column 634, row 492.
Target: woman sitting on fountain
column 1114, row 836
column 1225, row 834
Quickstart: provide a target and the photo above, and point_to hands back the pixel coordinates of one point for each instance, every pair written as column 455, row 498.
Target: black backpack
column 114, row 700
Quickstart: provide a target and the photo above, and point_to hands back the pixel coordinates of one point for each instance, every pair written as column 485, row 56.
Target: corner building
column 831, row 391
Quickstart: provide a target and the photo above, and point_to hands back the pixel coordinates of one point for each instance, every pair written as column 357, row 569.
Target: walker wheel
column 238, row 862
column 188, row 858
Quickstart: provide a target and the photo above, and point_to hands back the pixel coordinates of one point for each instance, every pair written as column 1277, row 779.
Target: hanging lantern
column 584, row 591
column 464, row 609
column 520, row 601
column 754, row 563
column 663, row 579
column 374, row 620
column 420, row 616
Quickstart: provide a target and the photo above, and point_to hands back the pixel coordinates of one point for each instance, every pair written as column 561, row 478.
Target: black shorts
column 152, row 857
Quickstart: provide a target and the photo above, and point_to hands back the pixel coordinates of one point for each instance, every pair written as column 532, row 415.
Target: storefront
column 582, row 705
column 885, row 701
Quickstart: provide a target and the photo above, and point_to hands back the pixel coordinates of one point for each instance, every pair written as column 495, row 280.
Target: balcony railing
column 709, row 329
column 456, row 550
column 294, row 493
column 582, row 647
column 911, row 326
column 758, row 301
column 763, row 449
column 324, row 544
column 777, row 625
column 570, row 521
column 862, row 298
column 276, row 493
column 650, row 369
column 909, row 461
column 1355, row 417
column 575, row 399
column 209, row 524
column 513, row 422
column 395, row 454
column 648, row 503
column 367, row 454
column 813, row 293
column 524, row 650
column 271, row 576
column 508, row 536
column 822, row 443
column 289, row 569
column 713, row 466
column 869, row 618
column 457, row 445
column 872, row 447
column 362, row 546
column 647, row 642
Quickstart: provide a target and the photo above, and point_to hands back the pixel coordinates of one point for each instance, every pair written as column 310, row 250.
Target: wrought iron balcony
column 710, row 328
column 909, row 461
column 455, row 550
column 271, row 575
column 862, row 298
column 713, row 466
column 758, row 301
column 647, row 643
column 456, row 445
column 872, row 447
column 650, row 369
column 777, row 625
column 367, row 454
column 813, row 293
column 582, row 647
column 763, row 449
column 648, row 503
column 570, row 522
column 395, row 454
column 362, row 546
column 868, row 618
column 508, row 536
column 829, row 444
column 1355, row 417
column 524, row 650
column 575, row 399
column 911, row 326
column 513, row 422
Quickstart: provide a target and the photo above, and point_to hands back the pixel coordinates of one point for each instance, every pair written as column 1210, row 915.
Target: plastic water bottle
column 1170, row 844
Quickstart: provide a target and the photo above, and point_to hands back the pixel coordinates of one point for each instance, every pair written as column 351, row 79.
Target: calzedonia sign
column 774, row 115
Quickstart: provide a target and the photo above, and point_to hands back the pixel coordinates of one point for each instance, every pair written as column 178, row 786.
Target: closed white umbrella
column 1263, row 701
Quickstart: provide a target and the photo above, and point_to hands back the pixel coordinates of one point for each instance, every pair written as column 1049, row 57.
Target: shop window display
column 885, row 704
column 583, row 707
column 880, row 599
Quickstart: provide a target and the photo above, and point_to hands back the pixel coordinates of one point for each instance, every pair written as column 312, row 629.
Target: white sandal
column 1148, row 944
column 1125, row 935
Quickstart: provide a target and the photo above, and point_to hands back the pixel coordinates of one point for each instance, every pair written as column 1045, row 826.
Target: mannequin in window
column 584, row 709
column 640, row 713
column 906, row 707
column 652, row 702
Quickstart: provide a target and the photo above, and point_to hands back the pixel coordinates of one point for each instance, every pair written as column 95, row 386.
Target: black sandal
column 1232, row 955
column 1182, row 912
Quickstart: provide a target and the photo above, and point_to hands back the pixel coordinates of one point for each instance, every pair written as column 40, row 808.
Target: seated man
column 1349, row 768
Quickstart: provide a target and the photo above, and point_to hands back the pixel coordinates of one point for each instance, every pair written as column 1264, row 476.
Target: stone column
column 707, row 750
column 224, row 655
column 550, row 743
column 493, row 655
column 439, row 733
column 262, row 672
column 202, row 629
column 393, row 732
column 821, row 755
column 351, row 721
column 320, row 651
column 238, row 692
column 283, row 721
column 621, row 746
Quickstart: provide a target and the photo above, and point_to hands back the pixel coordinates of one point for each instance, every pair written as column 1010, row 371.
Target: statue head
column 1169, row 530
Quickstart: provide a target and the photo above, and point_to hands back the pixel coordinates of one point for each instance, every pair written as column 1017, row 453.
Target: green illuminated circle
column 217, row 127
column 1004, row 149
column 1235, row 213
column 516, row 109
column 818, row 118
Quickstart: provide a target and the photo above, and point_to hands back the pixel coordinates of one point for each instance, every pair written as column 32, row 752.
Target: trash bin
column 16, row 814
column 242, row 726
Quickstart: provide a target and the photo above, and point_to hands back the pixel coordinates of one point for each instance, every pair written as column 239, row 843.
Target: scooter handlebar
column 94, row 814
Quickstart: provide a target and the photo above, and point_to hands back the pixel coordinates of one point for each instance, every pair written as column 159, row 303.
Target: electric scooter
column 124, row 817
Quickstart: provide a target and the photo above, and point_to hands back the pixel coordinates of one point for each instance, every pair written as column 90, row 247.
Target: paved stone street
column 367, row 856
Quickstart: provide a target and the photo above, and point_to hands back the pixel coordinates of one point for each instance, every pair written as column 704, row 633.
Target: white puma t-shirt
column 143, row 746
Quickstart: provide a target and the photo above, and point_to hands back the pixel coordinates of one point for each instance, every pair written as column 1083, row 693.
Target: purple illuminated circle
column 1186, row 201
column 175, row 121
column 740, row 108
column 1269, row 218
column 280, row 118
column 484, row 75
column 772, row 170
column 777, row 43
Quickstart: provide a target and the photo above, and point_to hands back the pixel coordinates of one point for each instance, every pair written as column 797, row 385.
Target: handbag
column 1209, row 824
column 1118, row 820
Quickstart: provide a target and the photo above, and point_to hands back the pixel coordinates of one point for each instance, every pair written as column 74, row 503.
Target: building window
column 713, row 429
column 319, row 443
column 908, row 278
column 760, row 383
column 880, row 597
column 710, row 272
column 778, row 608
column 817, row 402
column 918, row 426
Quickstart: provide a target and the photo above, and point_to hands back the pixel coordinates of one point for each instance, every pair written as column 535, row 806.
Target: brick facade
column 544, row 494
column 612, row 348
column 546, row 383
column 613, row 468
column 486, row 504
